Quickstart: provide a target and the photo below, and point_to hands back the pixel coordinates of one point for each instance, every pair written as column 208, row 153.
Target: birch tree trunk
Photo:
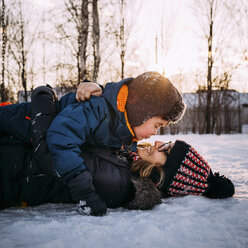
column 23, row 57
column 96, row 39
column 83, row 38
column 210, row 67
column 3, row 26
column 122, row 41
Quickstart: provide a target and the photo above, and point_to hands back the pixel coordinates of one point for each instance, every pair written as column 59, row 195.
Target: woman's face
column 152, row 154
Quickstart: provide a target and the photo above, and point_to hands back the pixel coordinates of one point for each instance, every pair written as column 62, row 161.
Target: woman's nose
column 158, row 144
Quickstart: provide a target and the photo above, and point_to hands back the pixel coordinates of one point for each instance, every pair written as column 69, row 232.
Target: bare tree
column 120, row 31
column 83, row 38
column 3, row 49
column 211, row 8
column 239, row 14
column 165, row 33
column 23, row 53
column 119, row 26
column 80, row 37
column 213, row 18
column 122, row 38
column 71, row 36
column 44, row 41
column 4, row 40
column 76, row 34
column 244, row 29
column 20, row 41
column 96, row 40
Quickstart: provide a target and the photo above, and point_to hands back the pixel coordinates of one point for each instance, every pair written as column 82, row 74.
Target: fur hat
column 151, row 94
column 186, row 172
column 145, row 196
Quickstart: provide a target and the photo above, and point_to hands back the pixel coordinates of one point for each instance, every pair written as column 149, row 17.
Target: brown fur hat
column 151, row 94
column 146, row 194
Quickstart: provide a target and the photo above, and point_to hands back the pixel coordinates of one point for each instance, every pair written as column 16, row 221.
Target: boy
column 131, row 110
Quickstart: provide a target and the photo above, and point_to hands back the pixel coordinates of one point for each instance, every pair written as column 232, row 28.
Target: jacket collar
column 116, row 95
column 111, row 91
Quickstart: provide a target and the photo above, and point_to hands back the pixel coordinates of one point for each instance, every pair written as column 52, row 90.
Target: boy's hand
column 86, row 89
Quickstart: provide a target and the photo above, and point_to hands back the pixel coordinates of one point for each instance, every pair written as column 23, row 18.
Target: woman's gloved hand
column 83, row 192
column 92, row 206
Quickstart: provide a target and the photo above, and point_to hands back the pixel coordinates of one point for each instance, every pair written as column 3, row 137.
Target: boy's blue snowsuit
column 92, row 123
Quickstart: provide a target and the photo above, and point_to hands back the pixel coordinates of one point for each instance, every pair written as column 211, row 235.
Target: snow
column 188, row 222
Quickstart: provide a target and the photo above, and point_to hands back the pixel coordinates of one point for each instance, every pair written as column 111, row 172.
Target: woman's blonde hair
column 144, row 168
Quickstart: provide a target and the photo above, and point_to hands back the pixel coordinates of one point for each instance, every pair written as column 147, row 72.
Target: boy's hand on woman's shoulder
column 86, row 89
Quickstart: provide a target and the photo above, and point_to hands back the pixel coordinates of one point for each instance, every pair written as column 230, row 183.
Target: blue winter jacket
column 96, row 122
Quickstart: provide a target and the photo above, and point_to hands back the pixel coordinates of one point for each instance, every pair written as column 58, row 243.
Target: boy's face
column 149, row 128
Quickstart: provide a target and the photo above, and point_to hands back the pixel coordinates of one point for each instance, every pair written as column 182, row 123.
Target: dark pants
column 14, row 159
column 26, row 169
column 21, row 181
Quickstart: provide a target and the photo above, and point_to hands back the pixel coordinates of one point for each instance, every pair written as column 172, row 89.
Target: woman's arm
column 71, row 129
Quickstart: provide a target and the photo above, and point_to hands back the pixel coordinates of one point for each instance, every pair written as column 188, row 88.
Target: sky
column 186, row 49
column 181, row 41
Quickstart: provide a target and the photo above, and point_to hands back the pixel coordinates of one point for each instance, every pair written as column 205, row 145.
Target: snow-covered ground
column 187, row 222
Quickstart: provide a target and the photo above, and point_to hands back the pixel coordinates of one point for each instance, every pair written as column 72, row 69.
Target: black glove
column 92, row 206
column 83, row 191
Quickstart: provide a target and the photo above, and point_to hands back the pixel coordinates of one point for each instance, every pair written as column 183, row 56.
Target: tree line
column 77, row 40
column 68, row 35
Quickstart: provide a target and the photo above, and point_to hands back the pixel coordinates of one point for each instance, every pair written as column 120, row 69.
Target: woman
column 22, row 185
column 178, row 171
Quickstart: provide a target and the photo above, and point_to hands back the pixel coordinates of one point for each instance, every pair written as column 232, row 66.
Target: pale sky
column 182, row 45
column 185, row 48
